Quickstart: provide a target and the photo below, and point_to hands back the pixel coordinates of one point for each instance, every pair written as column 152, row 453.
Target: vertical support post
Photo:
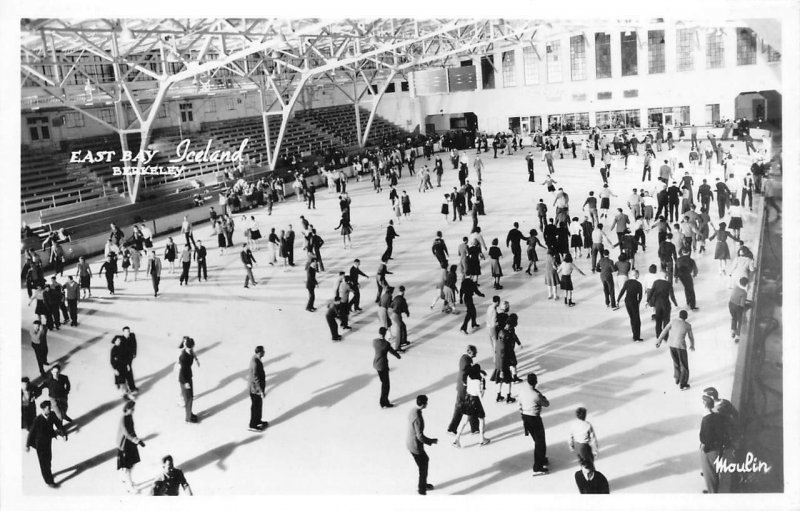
column 358, row 123
column 145, row 133
column 376, row 101
column 119, row 110
column 56, row 66
column 287, row 110
column 265, row 121
column 358, row 113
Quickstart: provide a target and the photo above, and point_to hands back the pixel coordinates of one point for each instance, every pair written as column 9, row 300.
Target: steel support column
column 376, row 100
column 272, row 155
column 355, row 106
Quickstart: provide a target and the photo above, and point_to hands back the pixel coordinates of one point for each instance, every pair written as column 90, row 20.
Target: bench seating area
column 103, row 170
column 46, row 183
column 340, row 121
column 300, row 137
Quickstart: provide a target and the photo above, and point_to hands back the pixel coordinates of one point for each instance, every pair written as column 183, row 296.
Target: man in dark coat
column 705, row 195
column 658, row 297
column 439, row 250
column 315, row 248
column 391, row 234
column 185, row 361
column 513, row 239
column 381, row 364
column 469, row 288
column 549, row 234
column 45, row 427
column 723, row 194
column 290, row 245
column 256, row 380
column 355, row 272
column 58, row 387
column 632, row 291
column 129, row 350
column 464, row 364
column 662, row 198
column 311, row 284
column 668, row 256
column 673, row 199
column 686, row 271
column 529, row 161
column 310, row 194
column 330, row 317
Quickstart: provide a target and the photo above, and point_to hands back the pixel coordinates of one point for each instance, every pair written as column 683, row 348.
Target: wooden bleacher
column 46, row 182
column 340, row 122
column 300, row 137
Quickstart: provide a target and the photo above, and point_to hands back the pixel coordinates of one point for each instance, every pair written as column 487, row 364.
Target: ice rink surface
column 327, row 434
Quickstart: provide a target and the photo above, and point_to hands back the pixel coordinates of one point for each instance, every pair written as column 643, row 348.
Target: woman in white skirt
column 255, row 233
column 735, row 224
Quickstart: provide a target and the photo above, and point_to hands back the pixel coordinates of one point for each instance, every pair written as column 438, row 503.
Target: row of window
column 687, row 41
column 76, row 119
column 614, row 119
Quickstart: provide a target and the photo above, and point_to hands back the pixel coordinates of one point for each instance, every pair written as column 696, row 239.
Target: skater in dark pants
column 686, row 271
column 632, row 291
column 464, row 364
column 469, row 288
column 39, row 344
column 45, row 427
column 58, row 387
column 311, row 284
column 185, row 361
column 391, row 234
column 381, row 364
column 355, row 272
column 186, row 263
column 154, row 270
column 513, row 240
column 330, row 317
column 256, row 382
column 110, row 268
column 200, row 257
column 531, row 402
column 659, row 297
column 416, row 442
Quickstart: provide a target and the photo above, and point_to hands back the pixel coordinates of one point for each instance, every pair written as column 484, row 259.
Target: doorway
column 759, row 108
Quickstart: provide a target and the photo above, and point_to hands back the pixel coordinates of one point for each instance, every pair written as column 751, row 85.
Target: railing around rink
column 751, row 395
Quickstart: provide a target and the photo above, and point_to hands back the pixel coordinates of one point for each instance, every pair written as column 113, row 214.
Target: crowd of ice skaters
column 670, row 204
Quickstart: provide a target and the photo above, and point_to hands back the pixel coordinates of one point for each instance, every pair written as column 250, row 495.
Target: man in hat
column 256, row 379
